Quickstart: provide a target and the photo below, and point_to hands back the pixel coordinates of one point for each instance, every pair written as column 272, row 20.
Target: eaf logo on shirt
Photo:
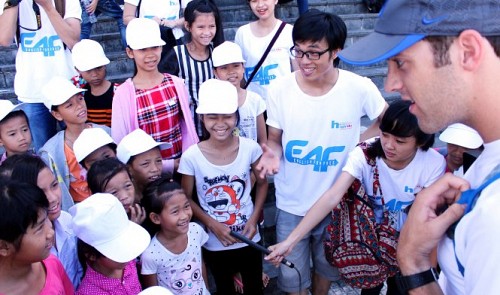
column 319, row 157
column 263, row 77
column 45, row 45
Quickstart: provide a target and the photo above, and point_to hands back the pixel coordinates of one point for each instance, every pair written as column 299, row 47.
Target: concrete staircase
column 234, row 14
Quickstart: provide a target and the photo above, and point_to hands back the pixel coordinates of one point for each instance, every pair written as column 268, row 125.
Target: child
column 31, row 169
column 109, row 243
column 219, row 167
column 26, row 265
column 193, row 59
column 459, row 138
column 15, row 135
column 96, row 7
column 254, row 38
column 112, row 176
column 406, row 165
column 173, row 258
column 90, row 62
column 143, row 157
column 66, row 103
column 92, row 145
column 229, row 66
column 154, row 102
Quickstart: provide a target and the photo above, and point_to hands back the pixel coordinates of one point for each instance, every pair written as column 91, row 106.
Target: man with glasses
column 314, row 122
column 44, row 38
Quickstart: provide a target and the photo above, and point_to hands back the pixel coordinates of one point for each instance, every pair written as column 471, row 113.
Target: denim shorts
column 311, row 244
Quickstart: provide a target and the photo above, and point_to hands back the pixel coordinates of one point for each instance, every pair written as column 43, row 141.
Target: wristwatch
column 10, row 3
column 407, row 283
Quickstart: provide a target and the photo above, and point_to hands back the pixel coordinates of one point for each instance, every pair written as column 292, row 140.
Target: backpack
column 363, row 251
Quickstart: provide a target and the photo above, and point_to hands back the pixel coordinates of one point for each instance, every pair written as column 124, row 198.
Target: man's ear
column 472, row 48
column 6, row 248
column 155, row 218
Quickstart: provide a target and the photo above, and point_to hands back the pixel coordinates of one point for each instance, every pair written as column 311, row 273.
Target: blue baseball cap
column 402, row 23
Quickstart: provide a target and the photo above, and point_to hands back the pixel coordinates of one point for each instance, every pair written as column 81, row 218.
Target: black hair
column 23, row 167
column 101, row 172
column 111, row 145
column 194, row 8
column 20, row 208
column 399, row 122
column 15, row 114
column 132, row 158
column 315, row 25
column 84, row 252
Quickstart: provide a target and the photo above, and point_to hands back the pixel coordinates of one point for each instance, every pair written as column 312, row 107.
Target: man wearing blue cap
column 443, row 56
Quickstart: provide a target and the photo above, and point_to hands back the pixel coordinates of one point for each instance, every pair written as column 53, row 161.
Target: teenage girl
column 173, row 258
column 192, row 61
column 220, row 168
column 154, row 102
column 26, row 265
column 406, row 165
column 112, row 176
column 254, row 38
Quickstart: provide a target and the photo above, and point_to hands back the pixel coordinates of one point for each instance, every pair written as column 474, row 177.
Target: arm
column 67, row 29
column 8, row 23
column 149, row 281
column 272, row 151
column 373, row 130
column 260, row 197
column 220, row 230
column 129, row 12
column 329, row 200
column 261, row 130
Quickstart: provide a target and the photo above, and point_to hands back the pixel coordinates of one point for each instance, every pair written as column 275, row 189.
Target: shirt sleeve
column 355, row 163
column 186, row 165
column 149, row 266
column 374, row 102
column 73, row 9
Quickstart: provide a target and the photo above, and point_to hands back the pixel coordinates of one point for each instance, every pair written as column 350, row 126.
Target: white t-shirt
column 477, row 236
column 318, row 134
column 277, row 62
column 168, row 9
column 224, row 191
column 253, row 106
column 41, row 54
column 180, row 273
column 398, row 186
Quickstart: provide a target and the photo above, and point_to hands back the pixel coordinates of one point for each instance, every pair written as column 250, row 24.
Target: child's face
column 38, row 240
column 122, row 187
column 455, row 155
column 48, row 183
column 263, row 9
column 219, row 126
column 73, row 111
column 146, row 167
column 104, row 152
column 15, row 135
column 203, row 29
column 399, row 151
column 95, row 77
column 231, row 72
column 176, row 214
column 146, row 59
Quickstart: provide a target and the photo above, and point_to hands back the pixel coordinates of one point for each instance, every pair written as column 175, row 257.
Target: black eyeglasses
column 312, row 55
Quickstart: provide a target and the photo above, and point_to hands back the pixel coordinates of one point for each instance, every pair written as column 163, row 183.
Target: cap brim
column 461, row 138
column 377, row 47
column 127, row 246
column 142, row 46
column 95, row 64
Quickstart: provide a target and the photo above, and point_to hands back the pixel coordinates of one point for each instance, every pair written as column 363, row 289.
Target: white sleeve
column 149, row 266
column 374, row 103
column 73, row 9
column 186, row 164
column 133, row 2
column 355, row 163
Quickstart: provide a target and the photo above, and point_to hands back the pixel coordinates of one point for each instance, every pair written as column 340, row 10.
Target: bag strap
column 469, row 198
column 261, row 61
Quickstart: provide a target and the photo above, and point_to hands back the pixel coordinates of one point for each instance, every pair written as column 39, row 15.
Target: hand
column 425, row 225
column 278, row 252
column 221, row 231
column 91, row 7
column 45, row 4
column 157, row 19
column 137, row 214
column 249, row 230
column 269, row 163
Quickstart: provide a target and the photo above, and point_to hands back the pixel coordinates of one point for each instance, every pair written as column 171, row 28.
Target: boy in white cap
column 15, row 135
column 228, row 63
column 110, row 244
column 459, row 139
column 92, row 145
column 90, row 62
column 65, row 101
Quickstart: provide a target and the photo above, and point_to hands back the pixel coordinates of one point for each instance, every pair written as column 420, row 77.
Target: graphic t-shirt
column 253, row 106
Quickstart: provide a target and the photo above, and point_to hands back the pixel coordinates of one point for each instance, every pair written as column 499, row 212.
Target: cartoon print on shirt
column 187, row 276
column 224, row 202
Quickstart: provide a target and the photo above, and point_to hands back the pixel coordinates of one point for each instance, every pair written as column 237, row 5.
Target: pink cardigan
column 124, row 116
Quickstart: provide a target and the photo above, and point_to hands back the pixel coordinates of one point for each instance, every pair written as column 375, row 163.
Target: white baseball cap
column 101, row 221
column 7, row 107
column 58, row 90
column 156, row 290
column 217, row 97
column 227, row 53
column 87, row 55
column 143, row 33
column 461, row 135
column 137, row 142
column 90, row 140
